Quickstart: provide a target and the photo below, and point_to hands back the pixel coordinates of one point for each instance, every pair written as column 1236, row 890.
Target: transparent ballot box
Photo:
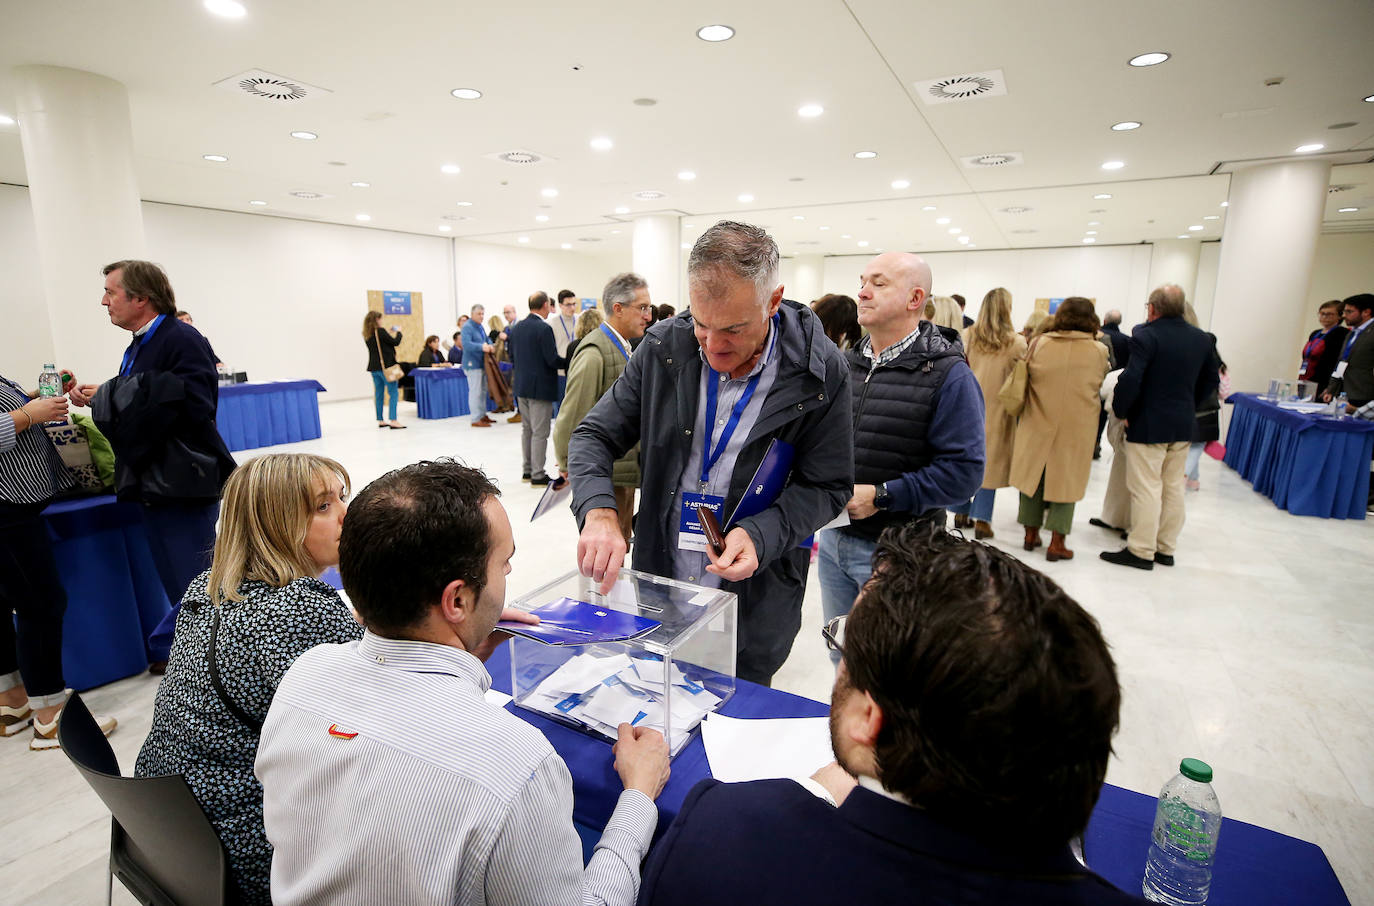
column 653, row 652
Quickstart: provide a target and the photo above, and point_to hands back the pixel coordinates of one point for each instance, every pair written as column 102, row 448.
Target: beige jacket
column 1058, row 427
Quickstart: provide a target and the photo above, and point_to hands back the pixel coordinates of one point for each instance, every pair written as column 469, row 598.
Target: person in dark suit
column 1354, row 374
column 967, row 321
column 455, row 352
column 159, row 416
column 1322, row 351
column 534, row 353
column 1171, row 375
column 977, row 758
column 1120, row 347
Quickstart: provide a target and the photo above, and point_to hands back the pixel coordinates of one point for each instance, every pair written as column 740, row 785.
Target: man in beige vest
column 599, row 359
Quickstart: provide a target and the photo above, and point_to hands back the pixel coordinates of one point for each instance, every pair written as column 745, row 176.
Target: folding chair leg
column 109, row 885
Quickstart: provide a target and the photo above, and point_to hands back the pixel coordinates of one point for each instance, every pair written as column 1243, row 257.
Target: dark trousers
column 182, row 541
column 31, row 590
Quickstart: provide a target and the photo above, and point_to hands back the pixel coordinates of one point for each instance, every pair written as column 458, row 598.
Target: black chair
column 162, row 847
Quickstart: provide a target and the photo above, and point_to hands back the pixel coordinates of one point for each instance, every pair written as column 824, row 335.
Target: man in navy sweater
column 159, row 416
column 975, row 704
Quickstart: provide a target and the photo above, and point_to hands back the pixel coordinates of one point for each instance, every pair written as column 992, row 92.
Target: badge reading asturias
column 340, row 734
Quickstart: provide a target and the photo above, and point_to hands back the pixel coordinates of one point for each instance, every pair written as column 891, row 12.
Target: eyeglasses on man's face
column 833, row 633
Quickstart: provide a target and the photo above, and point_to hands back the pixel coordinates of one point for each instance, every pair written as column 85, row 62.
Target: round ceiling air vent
column 588, row 238
column 992, row 160
column 649, row 195
column 1023, row 232
column 272, row 88
column 309, row 196
column 519, row 157
column 456, row 218
column 961, row 87
column 1016, row 209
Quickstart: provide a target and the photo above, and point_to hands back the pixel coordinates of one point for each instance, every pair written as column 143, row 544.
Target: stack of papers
column 740, row 749
column 601, row 693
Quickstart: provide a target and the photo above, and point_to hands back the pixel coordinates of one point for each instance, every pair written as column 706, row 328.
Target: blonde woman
column 993, row 347
column 242, row 623
column 381, row 355
column 1036, row 324
column 944, row 312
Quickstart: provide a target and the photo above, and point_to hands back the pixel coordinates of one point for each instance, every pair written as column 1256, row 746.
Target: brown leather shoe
column 981, row 530
column 486, row 421
column 1057, row 550
column 515, row 419
column 962, row 521
column 1032, row 538
column 483, row 423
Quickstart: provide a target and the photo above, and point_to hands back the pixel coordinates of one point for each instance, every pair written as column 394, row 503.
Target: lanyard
column 1345, row 352
column 564, row 324
column 709, row 456
column 131, row 354
column 608, row 332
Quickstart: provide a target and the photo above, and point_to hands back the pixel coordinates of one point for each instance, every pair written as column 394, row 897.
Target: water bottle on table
column 1183, row 843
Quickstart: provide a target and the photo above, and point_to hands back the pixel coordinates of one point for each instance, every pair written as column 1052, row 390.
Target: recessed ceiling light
column 1149, row 59
column 1194, row 228
column 257, row 202
column 463, row 204
column 964, row 240
column 1369, row 99
column 846, row 236
column 229, row 9
column 450, row 169
column 565, row 246
column 1113, row 165
column 1125, row 126
column 954, row 231
column 745, row 198
column 1088, row 240
column 942, row 220
column 615, row 232
column 863, row 243
column 363, row 217
column 929, row 207
column 542, row 218
column 1094, row 223
column 900, row 184
column 601, row 143
column 825, row 228
column 549, row 192
column 865, row 155
column 1308, row 149
column 523, row 239
column 360, row 184
column 1212, row 217
column 1346, row 210
column 216, row 158
column 304, row 136
column 622, row 210
column 686, row 245
column 444, row 228
column 686, row 175
column 798, row 217
column 1102, row 196
column 810, row 111
column 1091, row 233
column 689, row 226
column 1226, row 204
column 466, row 94
column 715, row 33
column 6, row 120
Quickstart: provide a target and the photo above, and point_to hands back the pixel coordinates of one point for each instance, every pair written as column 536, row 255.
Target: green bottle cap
column 1197, row 770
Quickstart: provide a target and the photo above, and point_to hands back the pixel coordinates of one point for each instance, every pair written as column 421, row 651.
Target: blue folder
column 570, row 622
column 768, row 481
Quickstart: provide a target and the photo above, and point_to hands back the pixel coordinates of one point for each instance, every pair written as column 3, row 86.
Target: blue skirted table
column 263, row 414
column 1308, row 464
column 1255, row 867
column 114, row 596
column 441, row 392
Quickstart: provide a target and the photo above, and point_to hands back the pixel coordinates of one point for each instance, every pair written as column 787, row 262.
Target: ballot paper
column 738, row 749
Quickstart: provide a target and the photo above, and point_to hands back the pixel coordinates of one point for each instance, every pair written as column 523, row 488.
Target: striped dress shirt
column 388, row 778
column 30, row 469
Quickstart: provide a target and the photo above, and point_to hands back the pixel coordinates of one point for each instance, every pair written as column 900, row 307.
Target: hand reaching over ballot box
column 601, row 547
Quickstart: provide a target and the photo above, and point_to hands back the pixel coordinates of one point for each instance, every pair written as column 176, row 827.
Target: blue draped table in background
column 440, row 392
column 114, row 596
column 1308, row 464
column 1255, row 867
column 263, row 414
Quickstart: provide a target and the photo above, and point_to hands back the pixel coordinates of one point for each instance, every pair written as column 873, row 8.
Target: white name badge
column 689, row 534
column 1340, row 370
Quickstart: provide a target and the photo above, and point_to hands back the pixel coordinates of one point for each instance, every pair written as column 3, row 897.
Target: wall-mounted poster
column 588, row 303
column 395, row 303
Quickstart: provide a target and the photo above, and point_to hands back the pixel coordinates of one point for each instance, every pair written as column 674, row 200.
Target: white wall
column 1206, row 292
column 498, row 275
column 1343, row 266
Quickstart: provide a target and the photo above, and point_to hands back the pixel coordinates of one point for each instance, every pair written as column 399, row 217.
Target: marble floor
column 1254, row 653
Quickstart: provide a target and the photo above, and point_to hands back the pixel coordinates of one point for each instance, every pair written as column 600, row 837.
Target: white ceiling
column 555, row 74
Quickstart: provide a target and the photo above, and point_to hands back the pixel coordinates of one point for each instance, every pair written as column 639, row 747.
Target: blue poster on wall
column 1054, row 305
column 394, row 303
column 588, row 303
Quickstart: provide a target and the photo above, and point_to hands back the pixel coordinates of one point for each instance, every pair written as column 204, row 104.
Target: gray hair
column 738, row 250
column 621, row 290
column 476, row 308
column 1167, row 301
column 1111, row 317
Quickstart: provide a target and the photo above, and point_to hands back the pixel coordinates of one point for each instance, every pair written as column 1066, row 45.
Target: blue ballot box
column 652, row 652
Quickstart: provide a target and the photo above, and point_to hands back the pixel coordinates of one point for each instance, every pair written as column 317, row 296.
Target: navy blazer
column 773, row 842
column 534, row 353
column 1121, row 344
column 1171, row 375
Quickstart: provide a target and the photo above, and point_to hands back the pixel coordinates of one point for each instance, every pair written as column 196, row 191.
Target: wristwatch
column 881, row 498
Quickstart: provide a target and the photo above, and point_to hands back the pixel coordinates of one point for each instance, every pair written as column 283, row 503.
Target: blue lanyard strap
column 564, row 324
column 611, row 334
column 710, row 456
column 1345, row 351
column 131, row 354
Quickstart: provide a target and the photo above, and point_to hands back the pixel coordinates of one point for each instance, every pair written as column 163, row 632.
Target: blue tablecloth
column 268, row 413
column 441, row 392
column 114, row 596
column 1255, row 867
column 1309, row 465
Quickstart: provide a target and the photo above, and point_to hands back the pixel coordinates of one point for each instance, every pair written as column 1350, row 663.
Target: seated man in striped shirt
column 387, row 778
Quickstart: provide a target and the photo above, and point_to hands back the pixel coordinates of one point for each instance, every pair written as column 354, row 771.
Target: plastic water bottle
column 49, row 382
column 1183, row 843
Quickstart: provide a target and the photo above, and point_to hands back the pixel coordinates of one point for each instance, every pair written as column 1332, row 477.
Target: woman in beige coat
column 1054, row 438
column 993, row 347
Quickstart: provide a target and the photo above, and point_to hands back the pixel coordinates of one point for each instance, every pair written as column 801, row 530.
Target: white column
column 1272, row 221
column 656, row 255
column 78, row 153
column 1175, row 261
column 808, row 279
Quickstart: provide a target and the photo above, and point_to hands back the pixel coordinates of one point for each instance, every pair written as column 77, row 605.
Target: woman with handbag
column 993, row 348
column 1053, row 454
column 381, row 362
column 242, row 624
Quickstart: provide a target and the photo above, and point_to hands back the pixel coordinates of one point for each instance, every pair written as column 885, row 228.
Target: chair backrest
column 162, row 847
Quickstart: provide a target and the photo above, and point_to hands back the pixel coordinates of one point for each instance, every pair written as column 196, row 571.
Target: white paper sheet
column 739, row 749
column 496, row 697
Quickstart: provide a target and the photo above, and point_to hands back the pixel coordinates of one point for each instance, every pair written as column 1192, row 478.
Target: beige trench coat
column 1058, row 427
column 991, row 370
